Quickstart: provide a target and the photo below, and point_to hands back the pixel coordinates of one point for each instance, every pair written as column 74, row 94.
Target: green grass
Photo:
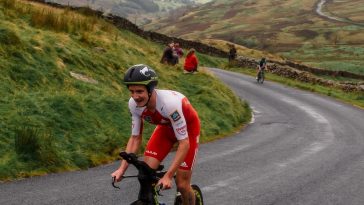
column 339, row 58
column 52, row 122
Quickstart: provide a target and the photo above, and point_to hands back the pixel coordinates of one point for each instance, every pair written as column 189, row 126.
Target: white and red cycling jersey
column 175, row 118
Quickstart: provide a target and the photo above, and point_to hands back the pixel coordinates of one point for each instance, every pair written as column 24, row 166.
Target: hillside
column 137, row 11
column 348, row 10
column 63, row 106
column 292, row 29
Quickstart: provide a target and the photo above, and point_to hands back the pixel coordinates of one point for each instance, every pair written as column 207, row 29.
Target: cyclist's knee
column 152, row 162
column 184, row 186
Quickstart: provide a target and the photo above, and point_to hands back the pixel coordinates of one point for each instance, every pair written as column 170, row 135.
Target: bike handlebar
column 145, row 171
column 146, row 175
column 132, row 158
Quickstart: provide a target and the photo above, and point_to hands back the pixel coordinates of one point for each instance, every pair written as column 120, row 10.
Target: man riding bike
column 176, row 120
column 261, row 66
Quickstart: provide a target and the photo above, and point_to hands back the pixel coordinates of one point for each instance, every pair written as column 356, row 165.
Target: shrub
column 8, row 4
column 27, row 144
column 25, row 75
column 33, row 145
column 249, row 42
column 9, row 37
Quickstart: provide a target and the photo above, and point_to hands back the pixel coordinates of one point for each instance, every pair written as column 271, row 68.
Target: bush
column 9, row 4
column 249, row 42
column 32, row 145
column 9, row 37
column 25, row 75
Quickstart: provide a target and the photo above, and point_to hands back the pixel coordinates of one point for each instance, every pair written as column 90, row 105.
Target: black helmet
column 141, row 75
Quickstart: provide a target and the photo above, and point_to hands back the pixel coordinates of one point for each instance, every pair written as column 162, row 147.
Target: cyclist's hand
column 166, row 182
column 118, row 175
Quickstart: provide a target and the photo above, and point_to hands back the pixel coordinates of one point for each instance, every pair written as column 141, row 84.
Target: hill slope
column 292, row 29
column 63, row 106
column 137, row 11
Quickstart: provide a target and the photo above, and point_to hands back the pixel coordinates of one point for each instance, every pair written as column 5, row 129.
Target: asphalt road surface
column 319, row 10
column 301, row 148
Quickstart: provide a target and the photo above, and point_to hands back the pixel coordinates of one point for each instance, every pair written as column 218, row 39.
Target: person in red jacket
column 191, row 62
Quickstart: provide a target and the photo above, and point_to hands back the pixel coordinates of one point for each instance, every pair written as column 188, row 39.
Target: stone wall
column 287, row 69
column 125, row 24
column 319, row 71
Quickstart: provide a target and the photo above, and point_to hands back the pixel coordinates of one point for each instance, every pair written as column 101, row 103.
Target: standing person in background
column 232, row 53
column 191, row 62
column 168, row 57
column 175, row 54
column 179, row 50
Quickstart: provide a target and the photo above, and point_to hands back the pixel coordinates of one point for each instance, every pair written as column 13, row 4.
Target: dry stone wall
column 287, row 69
column 125, row 24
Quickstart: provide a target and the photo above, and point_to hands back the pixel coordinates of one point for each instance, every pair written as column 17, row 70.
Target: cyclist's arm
column 179, row 125
column 132, row 147
column 183, row 147
column 134, row 141
column 136, row 137
column 181, row 153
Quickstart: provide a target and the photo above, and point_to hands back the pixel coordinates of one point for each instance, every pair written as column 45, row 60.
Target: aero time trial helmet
column 141, row 74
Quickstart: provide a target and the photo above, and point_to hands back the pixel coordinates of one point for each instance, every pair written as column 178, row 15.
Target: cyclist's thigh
column 160, row 143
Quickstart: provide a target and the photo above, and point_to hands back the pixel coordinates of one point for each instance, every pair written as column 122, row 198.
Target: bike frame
column 260, row 76
column 147, row 177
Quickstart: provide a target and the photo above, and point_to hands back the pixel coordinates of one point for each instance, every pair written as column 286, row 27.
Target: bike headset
column 141, row 74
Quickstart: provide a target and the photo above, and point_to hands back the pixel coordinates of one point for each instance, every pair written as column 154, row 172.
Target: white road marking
column 254, row 111
column 253, row 119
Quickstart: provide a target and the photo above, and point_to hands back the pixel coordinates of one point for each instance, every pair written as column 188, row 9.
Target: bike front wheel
column 198, row 196
column 260, row 78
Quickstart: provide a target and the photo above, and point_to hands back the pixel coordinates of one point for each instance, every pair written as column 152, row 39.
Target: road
column 301, row 148
column 319, row 10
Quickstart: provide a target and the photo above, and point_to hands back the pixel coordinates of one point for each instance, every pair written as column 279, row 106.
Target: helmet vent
column 131, row 73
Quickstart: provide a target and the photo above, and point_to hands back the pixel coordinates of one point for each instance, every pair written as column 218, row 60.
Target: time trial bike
column 148, row 178
column 260, row 77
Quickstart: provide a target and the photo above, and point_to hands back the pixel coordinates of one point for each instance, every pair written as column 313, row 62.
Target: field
column 291, row 29
column 137, row 11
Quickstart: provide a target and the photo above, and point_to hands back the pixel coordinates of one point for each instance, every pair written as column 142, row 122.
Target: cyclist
column 261, row 66
column 177, row 122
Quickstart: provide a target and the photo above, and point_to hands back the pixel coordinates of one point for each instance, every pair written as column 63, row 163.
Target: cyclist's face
column 139, row 93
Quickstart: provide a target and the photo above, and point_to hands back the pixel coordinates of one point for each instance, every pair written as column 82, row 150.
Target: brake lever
column 158, row 189
column 113, row 183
